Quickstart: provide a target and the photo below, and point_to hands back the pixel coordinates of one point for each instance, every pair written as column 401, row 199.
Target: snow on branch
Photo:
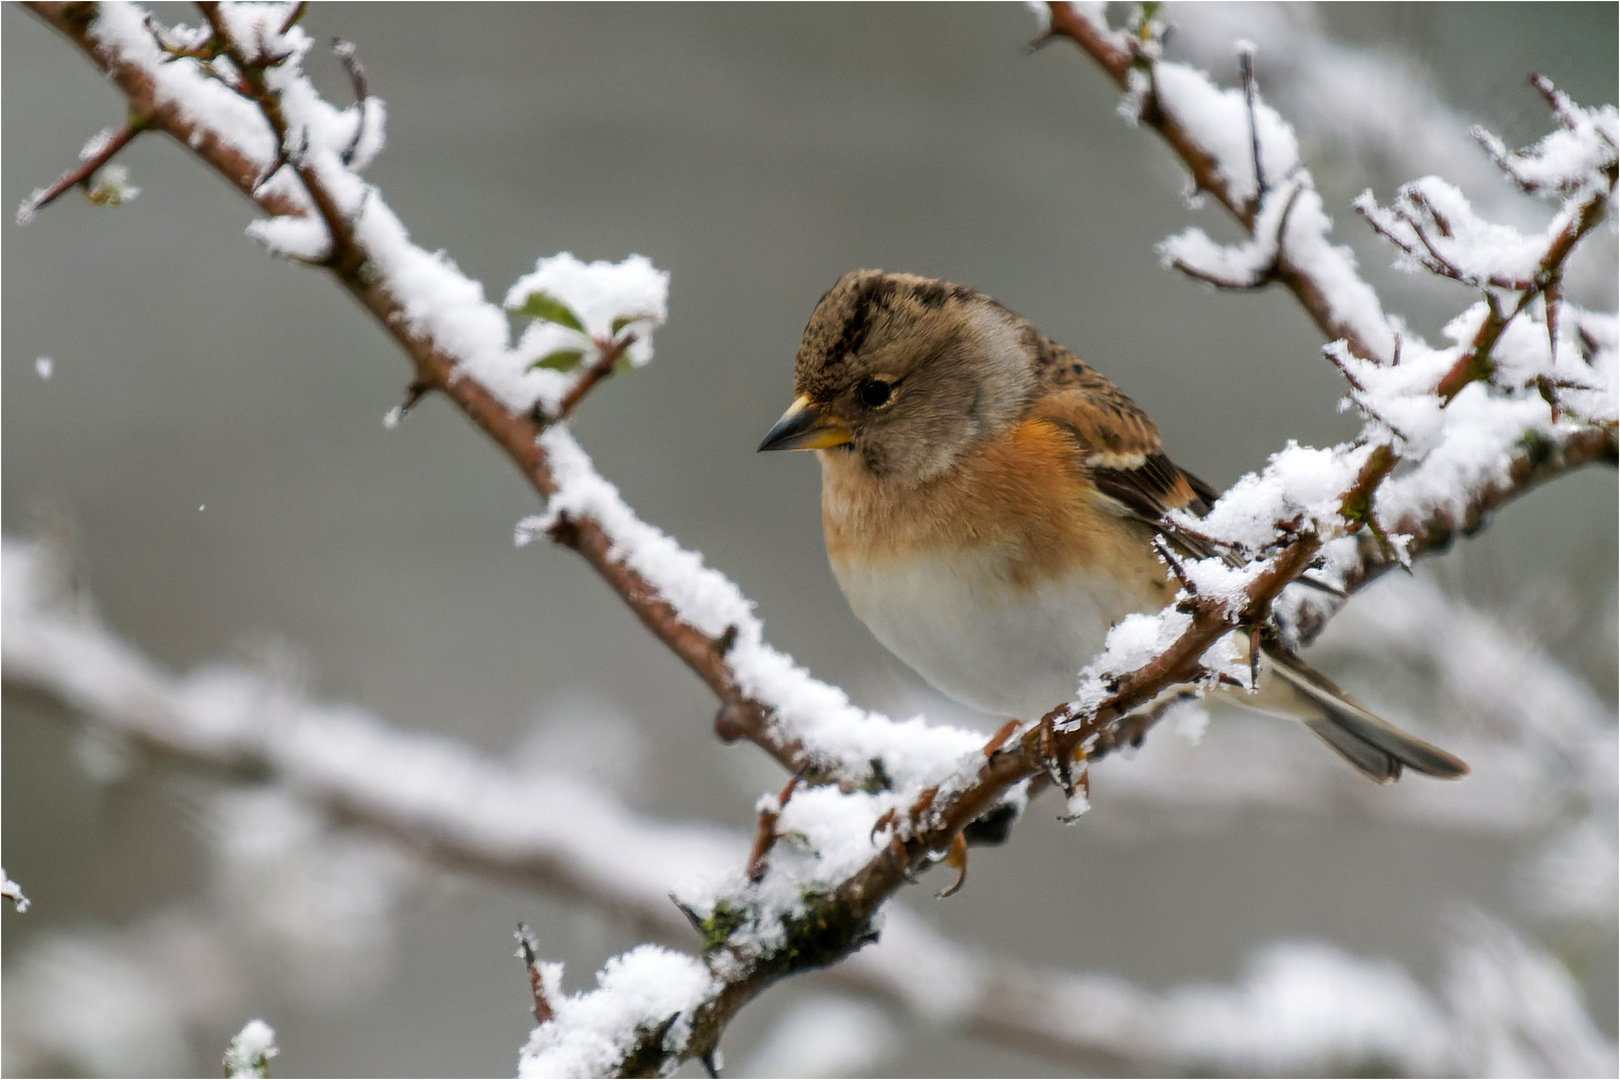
column 881, row 800
column 1567, row 163
column 433, row 794
column 1242, row 152
column 1300, row 1007
column 1461, row 456
column 236, row 95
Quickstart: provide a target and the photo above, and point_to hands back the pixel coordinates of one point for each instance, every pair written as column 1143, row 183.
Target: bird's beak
column 805, row 427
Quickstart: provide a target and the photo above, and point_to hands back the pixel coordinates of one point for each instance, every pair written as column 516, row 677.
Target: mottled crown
column 867, row 307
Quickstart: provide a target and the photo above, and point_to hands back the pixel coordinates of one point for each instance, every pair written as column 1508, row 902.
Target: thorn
column 884, row 822
column 1549, row 299
column 1322, row 586
column 722, row 644
column 293, row 17
column 765, row 833
column 357, row 80
column 1387, row 544
column 1246, row 67
column 691, row 916
column 414, row 393
column 764, row 838
column 1544, row 387
column 711, row 1064
column 1175, row 564
column 1082, row 784
column 662, row 1030
column 999, row 739
column 957, row 857
column 528, row 950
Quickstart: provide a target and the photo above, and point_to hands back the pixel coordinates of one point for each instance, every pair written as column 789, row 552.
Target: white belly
column 977, row 638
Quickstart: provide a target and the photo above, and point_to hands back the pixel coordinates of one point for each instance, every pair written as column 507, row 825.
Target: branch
column 51, row 645
column 606, row 362
column 1475, row 363
column 81, row 174
column 1321, row 276
column 369, row 256
column 814, row 912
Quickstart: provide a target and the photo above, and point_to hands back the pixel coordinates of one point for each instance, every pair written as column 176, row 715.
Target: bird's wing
column 1117, row 449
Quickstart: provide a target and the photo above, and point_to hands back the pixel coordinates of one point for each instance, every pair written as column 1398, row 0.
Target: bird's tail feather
column 1374, row 746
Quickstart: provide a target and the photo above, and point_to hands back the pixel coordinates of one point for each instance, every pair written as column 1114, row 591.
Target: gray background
column 755, row 152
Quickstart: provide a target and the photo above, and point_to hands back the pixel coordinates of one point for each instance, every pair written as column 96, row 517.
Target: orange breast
column 1020, row 494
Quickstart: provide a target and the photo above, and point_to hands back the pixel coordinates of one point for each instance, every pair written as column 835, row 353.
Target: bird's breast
column 1001, row 647
column 997, row 586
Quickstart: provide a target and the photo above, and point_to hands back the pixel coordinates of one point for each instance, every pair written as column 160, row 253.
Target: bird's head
column 905, row 373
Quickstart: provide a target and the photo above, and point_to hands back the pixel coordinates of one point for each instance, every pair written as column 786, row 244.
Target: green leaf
column 623, row 365
column 541, row 305
column 621, row 322
column 561, row 360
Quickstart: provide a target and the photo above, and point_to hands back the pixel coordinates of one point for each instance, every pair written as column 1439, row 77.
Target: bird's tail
column 1292, row 688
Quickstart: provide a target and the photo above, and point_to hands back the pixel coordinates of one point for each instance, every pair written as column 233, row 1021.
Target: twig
column 606, row 363
column 293, row 16
column 1475, row 363
column 357, row 80
column 81, row 173
column 765, row 831
column 529, row 953
column 1206, row 173
column 1002, row 1001
column 843, row 918
column 1246, row 69
column 436, row 368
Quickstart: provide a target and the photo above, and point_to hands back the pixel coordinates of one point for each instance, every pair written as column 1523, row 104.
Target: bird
column 990, row 502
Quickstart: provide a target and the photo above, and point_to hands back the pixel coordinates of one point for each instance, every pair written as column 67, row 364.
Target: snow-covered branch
column 880, row 799
column 459, row 345
column 1460, row 459
column 1300, row 1007
column 1242, row 152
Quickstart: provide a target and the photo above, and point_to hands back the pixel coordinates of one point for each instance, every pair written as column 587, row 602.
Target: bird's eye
column 875, row 393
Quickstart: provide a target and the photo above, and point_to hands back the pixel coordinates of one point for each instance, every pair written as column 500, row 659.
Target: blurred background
column 210, row 440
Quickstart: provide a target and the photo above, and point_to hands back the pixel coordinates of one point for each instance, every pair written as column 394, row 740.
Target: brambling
column 990, row 502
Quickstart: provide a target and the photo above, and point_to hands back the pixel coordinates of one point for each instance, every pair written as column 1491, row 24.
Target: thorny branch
column 86, row 169
column 842, row 920
column 1475, row 362
column 1120, row 55
column 157, row 714
column 740, row 716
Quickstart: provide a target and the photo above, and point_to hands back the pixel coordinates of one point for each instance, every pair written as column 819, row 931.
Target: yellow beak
column 805, row 427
